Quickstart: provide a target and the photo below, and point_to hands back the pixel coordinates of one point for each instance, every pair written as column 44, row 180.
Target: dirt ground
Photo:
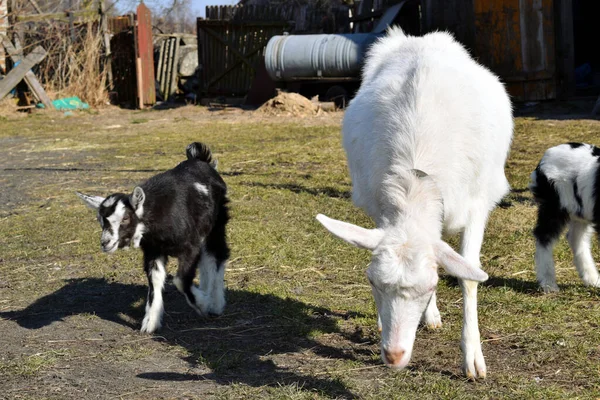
column 294, row 327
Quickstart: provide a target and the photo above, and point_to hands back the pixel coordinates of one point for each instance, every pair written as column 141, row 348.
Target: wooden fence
column 232, row 39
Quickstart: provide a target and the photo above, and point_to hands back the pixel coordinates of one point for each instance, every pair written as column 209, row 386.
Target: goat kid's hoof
column 150, row 326
column 550, row 288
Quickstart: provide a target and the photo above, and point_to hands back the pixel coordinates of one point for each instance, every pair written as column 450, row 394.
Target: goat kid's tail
column 200, row 151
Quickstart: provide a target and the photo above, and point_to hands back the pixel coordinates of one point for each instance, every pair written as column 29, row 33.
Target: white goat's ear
column 455, row 264
column 137, row 198
column 91, row 201
column 355, row 235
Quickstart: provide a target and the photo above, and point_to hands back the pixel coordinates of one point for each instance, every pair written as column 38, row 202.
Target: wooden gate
column 231, row 45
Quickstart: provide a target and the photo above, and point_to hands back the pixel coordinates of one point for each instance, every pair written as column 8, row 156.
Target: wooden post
column 18, row 73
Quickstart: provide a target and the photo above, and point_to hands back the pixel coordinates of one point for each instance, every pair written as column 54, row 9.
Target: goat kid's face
column 403, row 277
column 119, row 216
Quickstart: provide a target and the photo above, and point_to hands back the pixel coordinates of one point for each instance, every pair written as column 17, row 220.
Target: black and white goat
column 179, row 213
column 566, row 186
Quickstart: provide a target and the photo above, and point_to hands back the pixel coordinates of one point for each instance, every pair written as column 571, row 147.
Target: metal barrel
column 289, row 57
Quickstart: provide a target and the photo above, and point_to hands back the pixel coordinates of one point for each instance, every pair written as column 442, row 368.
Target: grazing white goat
column 426, row 137
column 565, row 185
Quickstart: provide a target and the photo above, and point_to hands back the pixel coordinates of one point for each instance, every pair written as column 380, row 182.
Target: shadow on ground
column 236, row 346
column 518, row 285
column 295, row 188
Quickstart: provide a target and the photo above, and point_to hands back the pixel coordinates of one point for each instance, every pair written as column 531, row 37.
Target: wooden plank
column 174, row 71
column 161, row 58
column 30, row 78
column 18, row 73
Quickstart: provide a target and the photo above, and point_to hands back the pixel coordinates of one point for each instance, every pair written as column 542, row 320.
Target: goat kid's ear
column 455, row 264
column 91, row 201
column 137, row 198
column 355, row 235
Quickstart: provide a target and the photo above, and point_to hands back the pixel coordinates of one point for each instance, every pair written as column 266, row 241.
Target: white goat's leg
column 579, row 236
column 471, row 240
column 432, row 318
column 155, row 269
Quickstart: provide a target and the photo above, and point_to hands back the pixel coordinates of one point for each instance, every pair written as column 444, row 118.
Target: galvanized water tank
column 291, row 57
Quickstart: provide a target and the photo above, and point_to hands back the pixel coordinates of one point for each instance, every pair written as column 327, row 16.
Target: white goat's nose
column 393, row 358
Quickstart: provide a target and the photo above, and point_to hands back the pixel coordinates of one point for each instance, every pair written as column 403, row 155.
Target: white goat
column 426, row 137
column 565, row 185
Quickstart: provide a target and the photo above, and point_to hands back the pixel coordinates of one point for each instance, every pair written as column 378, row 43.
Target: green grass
column 299, row 304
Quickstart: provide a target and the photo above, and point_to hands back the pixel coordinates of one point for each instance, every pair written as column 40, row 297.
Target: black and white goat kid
column 566, row 186
column 179, row 213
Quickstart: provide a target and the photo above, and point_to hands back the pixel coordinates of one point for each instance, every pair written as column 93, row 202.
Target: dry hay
column 289, row 104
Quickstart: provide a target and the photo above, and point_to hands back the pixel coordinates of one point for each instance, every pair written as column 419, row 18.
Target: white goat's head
column 403, row 277
column 119, row 216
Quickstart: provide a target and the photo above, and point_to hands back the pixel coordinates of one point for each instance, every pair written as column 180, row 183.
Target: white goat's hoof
column 432, row 319
column 474, row 364
column 150, row 325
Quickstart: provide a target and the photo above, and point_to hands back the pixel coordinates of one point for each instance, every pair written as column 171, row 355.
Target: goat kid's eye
column 125, row 221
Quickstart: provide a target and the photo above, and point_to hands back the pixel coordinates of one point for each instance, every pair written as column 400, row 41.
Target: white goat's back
column 425, row 104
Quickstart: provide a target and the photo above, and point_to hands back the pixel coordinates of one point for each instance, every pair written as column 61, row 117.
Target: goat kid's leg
column 155, row 270
column 471, row 240
column 212, row 276
column 432, row 318
column 550, row 224
column 218, row 290
column 579, row 236
column 184, row 281
column 216, row 254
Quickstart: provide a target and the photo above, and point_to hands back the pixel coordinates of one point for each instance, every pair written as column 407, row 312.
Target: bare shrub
column 75, row 68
